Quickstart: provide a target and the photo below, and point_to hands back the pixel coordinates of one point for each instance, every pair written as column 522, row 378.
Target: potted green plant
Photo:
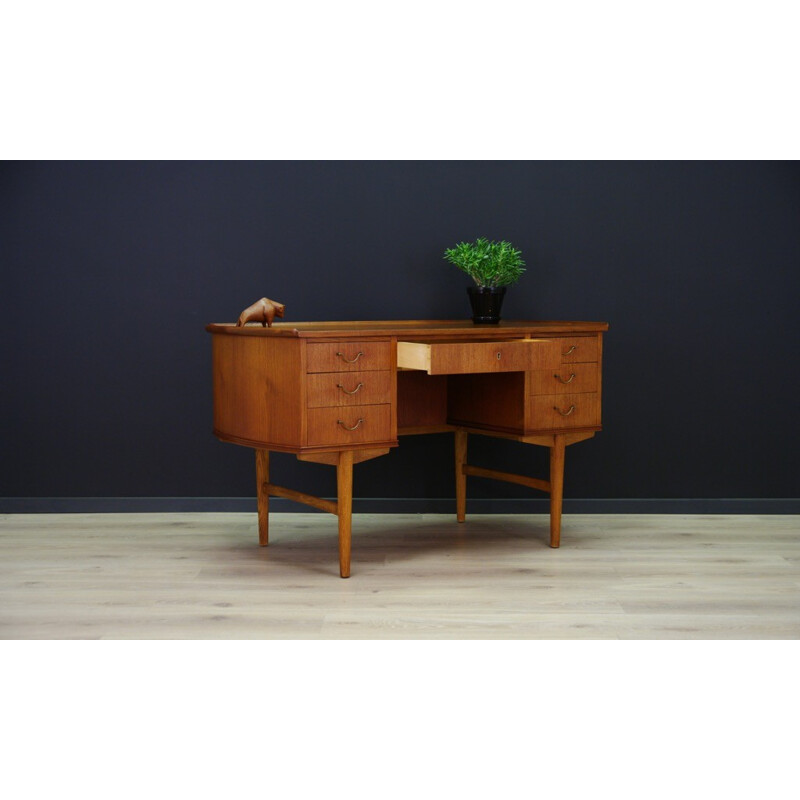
column 493, row 266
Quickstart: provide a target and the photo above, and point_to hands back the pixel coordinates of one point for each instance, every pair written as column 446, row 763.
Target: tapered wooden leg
column 556, row 488
column 344, row 491
column 262, row 476
column 461, row 478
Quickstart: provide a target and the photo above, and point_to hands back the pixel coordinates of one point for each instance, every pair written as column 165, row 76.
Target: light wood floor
column 200, row 576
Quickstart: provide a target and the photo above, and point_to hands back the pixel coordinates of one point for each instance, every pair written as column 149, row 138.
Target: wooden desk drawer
column 355, row 388
column 348, row 356
column 575, row 349
column 553, row 411
column 328, row 426
column 569, row 379
column 455, row 358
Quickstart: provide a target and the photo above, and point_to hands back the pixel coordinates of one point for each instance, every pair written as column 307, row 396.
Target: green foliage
column 488, row 263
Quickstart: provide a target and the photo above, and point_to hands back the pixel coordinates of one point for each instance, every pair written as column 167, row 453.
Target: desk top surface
column 413, row 328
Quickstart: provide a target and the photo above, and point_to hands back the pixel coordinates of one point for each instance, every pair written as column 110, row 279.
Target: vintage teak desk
column 340, row 393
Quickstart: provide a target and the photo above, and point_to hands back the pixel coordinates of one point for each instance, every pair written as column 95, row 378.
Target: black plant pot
column 486, row 303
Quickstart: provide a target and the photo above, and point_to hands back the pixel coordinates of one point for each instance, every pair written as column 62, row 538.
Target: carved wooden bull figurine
column 263, row 311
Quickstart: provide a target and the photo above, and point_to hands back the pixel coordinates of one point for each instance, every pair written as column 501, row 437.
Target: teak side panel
column 259, row 395
column 349, row 389
column 349, row 356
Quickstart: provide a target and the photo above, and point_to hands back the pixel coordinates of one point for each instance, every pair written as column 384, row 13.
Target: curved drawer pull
column 358, row 424
column 564, row 413
column 571, row 350
column 347, row 391
column 569, row 380
column 351, row 360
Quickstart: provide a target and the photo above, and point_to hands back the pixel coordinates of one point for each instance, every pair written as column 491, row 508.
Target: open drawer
column 454, row 358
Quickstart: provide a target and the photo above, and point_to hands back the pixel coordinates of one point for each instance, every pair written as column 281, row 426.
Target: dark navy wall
column 111, row 270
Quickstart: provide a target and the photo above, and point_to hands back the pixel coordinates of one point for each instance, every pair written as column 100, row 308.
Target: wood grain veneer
column 558, row 411
column 259, row 390
column 330, row 425
column 352, row 389
column 575, row 349
column 575, row 379
column 349, row 356
column 410, row 330
column 447, row 358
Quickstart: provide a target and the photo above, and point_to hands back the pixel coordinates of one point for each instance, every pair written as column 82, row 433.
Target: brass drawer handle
column 351, row 360
column 569, row 380
column 571, row 350
column 564, row 413
column 346, row 391
column 358, row 424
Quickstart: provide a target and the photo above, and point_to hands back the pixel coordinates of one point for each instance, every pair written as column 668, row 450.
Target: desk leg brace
column 342, row 508
column 554, row 487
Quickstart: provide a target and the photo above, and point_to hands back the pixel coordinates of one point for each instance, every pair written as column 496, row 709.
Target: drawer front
column 348, row 356
column 457, row 358
column 353, row 389
column 575, row 349
column 554, row 411
column 570, row 379
column 328, row 426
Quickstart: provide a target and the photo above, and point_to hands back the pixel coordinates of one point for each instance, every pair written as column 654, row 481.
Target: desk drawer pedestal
column 564, row 397
column 350, row 391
